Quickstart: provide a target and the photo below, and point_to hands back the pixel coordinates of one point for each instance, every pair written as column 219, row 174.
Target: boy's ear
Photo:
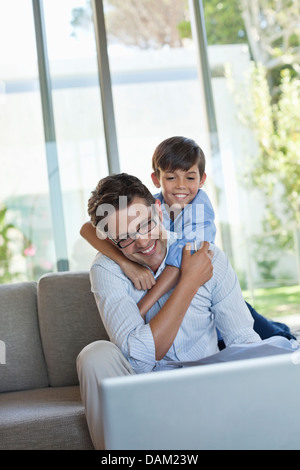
column 155, row 180
column 202, row 181
column 158, row 208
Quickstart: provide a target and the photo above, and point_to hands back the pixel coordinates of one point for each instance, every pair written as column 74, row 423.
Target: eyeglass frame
column 153, row 219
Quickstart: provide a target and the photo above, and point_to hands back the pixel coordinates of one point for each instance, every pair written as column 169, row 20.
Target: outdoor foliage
column 155, row 23
column 142, row 23
column 275, row 301
column 271, row 104
column 14, row 243
column 271, row 27
column 224, row 22
column 8, row 234
column 275, row 168
column 273, row 32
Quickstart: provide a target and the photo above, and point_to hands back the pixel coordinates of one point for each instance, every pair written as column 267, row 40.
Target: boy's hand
column 197, row 268
column 140, row 276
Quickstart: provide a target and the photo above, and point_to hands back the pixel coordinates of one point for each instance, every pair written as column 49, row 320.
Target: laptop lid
column 246, row 404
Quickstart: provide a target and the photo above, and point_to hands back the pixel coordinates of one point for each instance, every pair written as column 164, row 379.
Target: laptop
column 244, row 404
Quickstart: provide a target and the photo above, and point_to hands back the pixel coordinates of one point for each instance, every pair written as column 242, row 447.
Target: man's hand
column 196, row 268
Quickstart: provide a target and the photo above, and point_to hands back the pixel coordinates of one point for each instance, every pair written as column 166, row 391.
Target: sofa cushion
column 23, row 365
column 69, row 320
column 48, row 418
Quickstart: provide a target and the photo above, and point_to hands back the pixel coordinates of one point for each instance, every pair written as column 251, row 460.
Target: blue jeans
column 264, row 327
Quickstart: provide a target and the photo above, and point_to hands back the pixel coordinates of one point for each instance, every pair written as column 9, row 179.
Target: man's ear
column 202, row 181
column 155, row 180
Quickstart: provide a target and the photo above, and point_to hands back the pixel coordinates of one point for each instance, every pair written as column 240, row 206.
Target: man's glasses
column 144, row 228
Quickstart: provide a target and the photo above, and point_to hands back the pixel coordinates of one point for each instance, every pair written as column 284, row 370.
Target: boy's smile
column 179, row 187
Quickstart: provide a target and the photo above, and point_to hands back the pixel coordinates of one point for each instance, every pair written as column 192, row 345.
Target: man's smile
column 150, row 250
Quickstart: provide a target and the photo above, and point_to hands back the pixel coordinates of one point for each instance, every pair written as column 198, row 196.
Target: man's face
column 139, row 229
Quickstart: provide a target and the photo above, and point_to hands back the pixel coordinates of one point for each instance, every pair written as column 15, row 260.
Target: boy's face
column 179, row 187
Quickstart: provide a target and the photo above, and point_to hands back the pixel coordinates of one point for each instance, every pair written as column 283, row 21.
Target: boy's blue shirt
column 195, row 222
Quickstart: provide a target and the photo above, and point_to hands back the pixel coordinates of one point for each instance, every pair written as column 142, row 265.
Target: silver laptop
column 246, row 404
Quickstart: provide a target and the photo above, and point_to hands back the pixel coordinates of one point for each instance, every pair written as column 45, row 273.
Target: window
column 155, row 83
column 27, row 200
column 78, row 119
column 26, row 236
column 161, row 86
column 255, row 96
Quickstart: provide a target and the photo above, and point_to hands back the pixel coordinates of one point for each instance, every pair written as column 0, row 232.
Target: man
column 181, row 326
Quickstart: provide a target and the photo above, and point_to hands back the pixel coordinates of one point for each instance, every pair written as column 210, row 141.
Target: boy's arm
column 140, row 276
column 166, row 281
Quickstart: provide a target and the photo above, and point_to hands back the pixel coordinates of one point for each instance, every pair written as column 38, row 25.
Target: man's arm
column 142, row 344
column 165, row 282
column 196, row 270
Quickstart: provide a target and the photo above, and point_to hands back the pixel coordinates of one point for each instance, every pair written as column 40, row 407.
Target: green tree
column 154, row 23
column 276, row 127
column 273, row 32
column 271, row 27
column 142, row 23
column 275, row 169
column 224, row 23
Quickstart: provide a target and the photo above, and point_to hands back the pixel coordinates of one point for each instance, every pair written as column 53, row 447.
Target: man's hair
column 109, row 190
column 178, row 153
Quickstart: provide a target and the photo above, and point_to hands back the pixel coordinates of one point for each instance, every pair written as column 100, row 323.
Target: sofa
column 43, row 327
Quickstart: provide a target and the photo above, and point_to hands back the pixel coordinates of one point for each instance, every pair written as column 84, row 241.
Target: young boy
column 179, row 170
column 178, row 165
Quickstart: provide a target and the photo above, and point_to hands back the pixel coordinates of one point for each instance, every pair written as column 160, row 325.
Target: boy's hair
column 178, row 153
column 110, row 188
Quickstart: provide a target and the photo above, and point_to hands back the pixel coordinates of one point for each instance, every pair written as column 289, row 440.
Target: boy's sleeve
column 174, row 256
column 196, row 222
column 199, row 219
